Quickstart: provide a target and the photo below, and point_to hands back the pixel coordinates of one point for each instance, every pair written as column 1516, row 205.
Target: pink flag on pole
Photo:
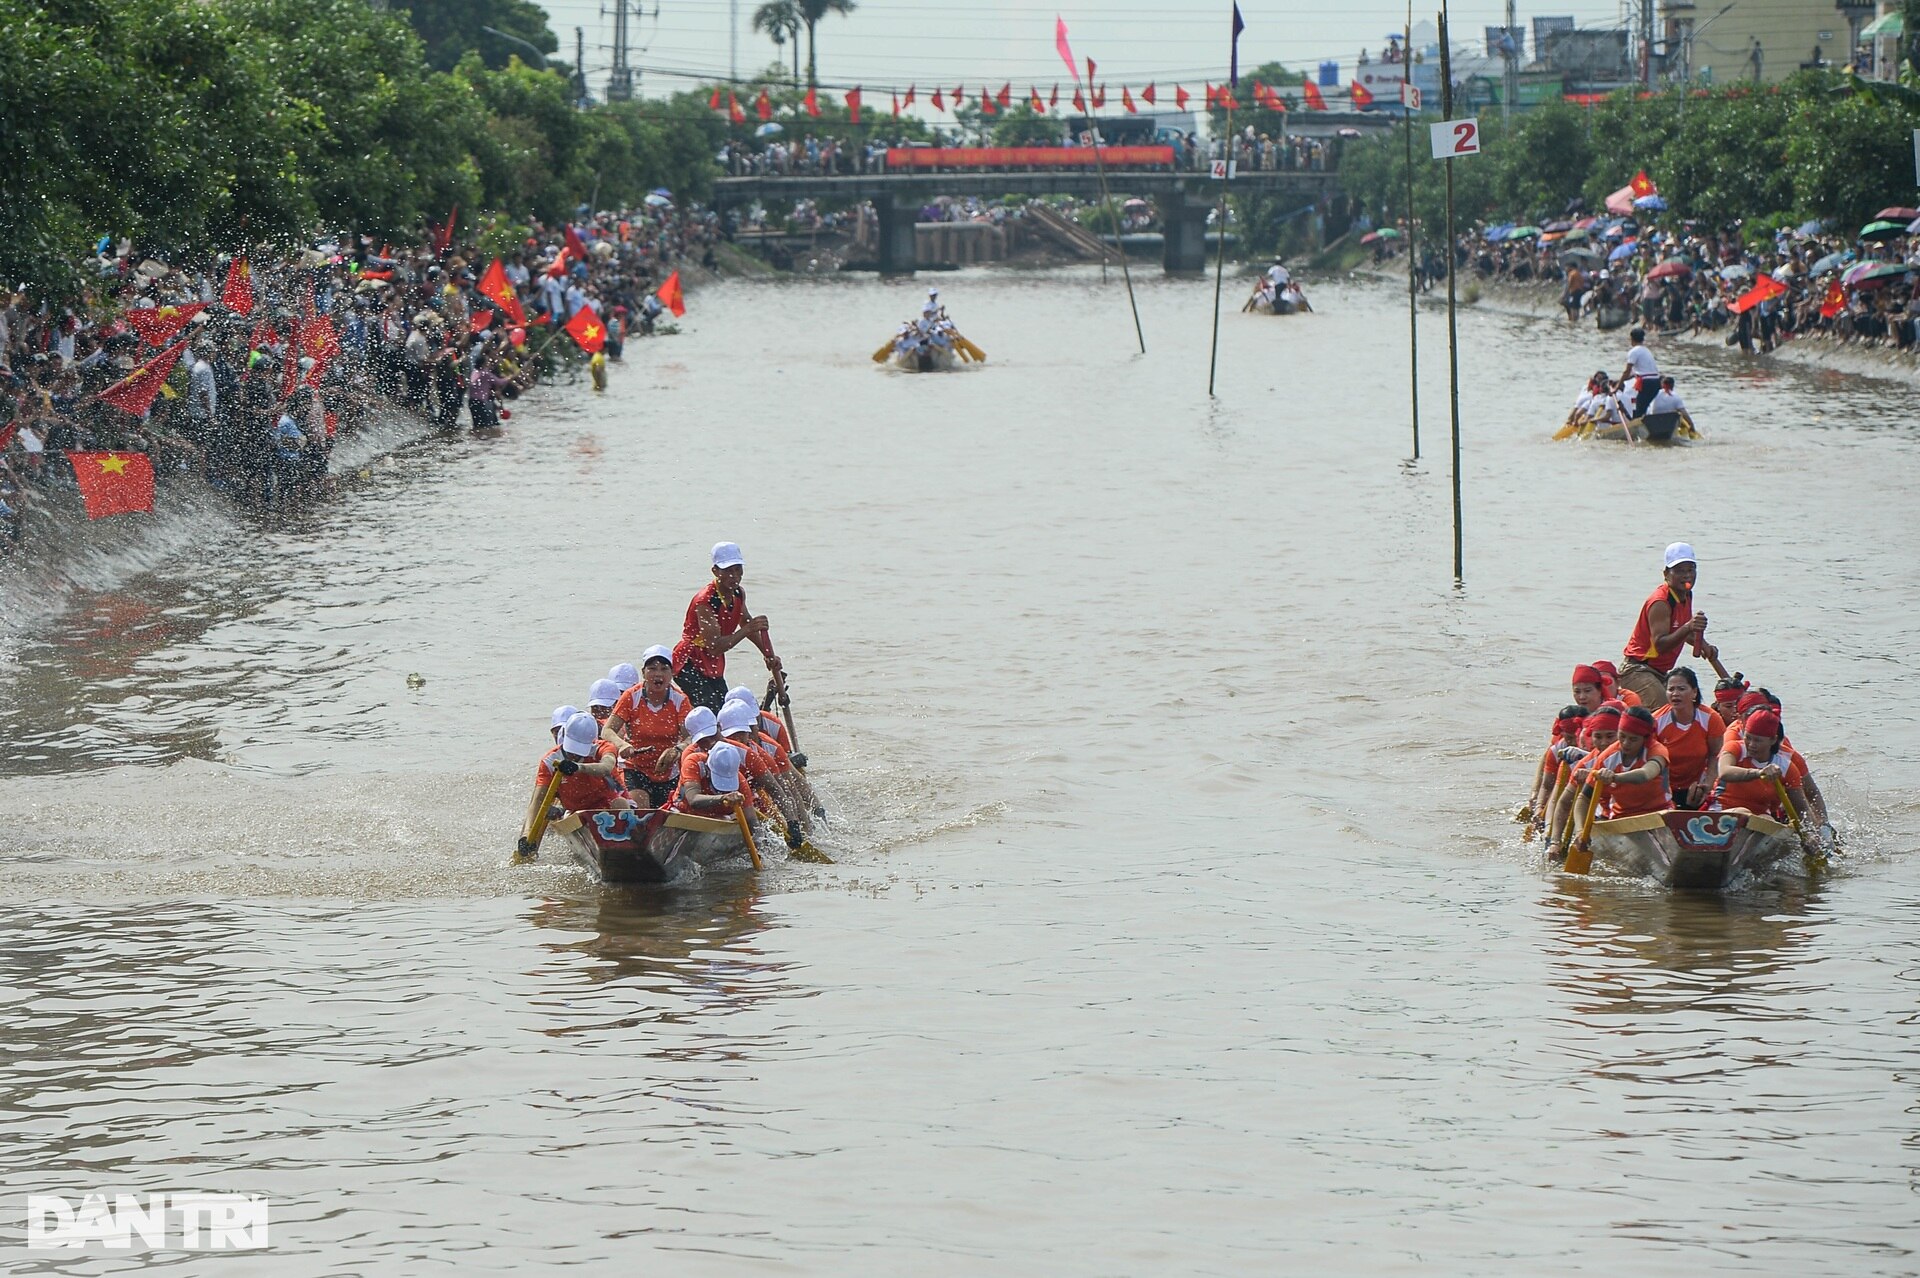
column 1066, row 50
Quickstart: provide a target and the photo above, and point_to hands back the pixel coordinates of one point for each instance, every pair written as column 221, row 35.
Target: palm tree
column 811, row 11
column 780, row 20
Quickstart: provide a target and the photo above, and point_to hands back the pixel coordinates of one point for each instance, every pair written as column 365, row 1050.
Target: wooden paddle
column 1580, row 853
column 1578, row 423
column 746, row 832
column 535, row 827
column 1815, row 860
column 969, row 349
column 880, row 356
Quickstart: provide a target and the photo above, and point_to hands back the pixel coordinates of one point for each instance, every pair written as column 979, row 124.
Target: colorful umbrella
column 1672, row 266
column 1577, row 235
column 1523, row 233
column 1897, row 214
column 1370, row 237
column 1831, row 262
column 1653, row 202
column 1882, row 230
column 1867, row 273
column 1624, row 250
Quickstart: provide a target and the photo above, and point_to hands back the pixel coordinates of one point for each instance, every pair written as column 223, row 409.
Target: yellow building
column 1756, row 41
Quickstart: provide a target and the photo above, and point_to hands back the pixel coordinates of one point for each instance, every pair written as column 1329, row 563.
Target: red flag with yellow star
column 1642, row 185
column 585, row 328
column 670, row 295
column 134, row 393
column 113, row 483
column 495, row 288
column 237, row 293
column 157, row 324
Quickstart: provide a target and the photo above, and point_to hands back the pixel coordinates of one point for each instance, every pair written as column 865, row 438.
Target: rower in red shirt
column 1634, row 773
column 702, row 731
column 587, row 764
column 717, row 620
column 645, row 722
column 1666, row 625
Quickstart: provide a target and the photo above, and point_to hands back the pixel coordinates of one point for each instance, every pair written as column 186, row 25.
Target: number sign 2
column 1454, row 138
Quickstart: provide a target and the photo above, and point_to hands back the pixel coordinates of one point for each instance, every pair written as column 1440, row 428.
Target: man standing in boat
column 1666, row 624
column 1640, row 364
column 717, row 619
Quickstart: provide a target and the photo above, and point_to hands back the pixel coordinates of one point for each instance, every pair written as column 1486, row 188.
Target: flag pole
column 1107, row 196
column 1413, row 246
column 1220, row 257
column 1453, row 340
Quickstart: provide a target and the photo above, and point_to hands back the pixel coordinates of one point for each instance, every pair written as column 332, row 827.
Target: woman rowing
column 645, row 725
column 1691, row 734
column 1635, row 774
column 1598, row 732
column 1754, row 775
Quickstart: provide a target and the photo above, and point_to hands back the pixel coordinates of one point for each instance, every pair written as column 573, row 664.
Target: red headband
column 1640, row 725
column 1751, row 701
column 1728, row 694
column 1607, row 668
column 1764, row 723
column 1603, row 721
column 1587, row 674
column 1567, row 727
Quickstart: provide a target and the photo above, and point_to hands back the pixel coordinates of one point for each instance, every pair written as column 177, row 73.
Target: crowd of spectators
column 254, row 404
column 810, row 156
column 1682, row 277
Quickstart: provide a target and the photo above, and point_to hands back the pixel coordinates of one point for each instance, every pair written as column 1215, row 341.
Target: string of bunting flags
column 1083, row 97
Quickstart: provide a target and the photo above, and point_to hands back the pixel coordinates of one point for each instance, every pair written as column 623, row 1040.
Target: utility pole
column 620, row 80
column 733, row 41
column 1646, row 43
column 580, row 66
column 1511, row 87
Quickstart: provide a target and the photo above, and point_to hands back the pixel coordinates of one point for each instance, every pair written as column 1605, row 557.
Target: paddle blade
column 810, row 854
column 880, row 356
column 1568, row 431
column 1579, row 858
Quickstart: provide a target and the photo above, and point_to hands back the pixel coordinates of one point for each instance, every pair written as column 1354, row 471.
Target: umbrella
column 1913, row 227
column 1623, row 250
column 1897, row 214
column 1738, row 271
column 1558, row 226
column 1882, row 230
column 1370, row 237
column 1810, row 228
column 659, row 201
column 1389, row 233
column 1576, row 235
column 1870, row 272
column 1672, row 266
column 1654, row 202
column 661, row 190
column 1585, row 223
column 1523, row 233
column 768, row 129
column 1587, row 255
column 1494, row 234
column 1831, row 262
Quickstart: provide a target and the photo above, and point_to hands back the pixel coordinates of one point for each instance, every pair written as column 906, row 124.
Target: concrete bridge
column 1182, row 199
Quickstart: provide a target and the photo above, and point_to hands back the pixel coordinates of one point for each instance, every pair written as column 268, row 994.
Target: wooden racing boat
column 646, row 845
column 928, row 359
column 1654, row 428
column 1693, row 849
column 1607, row 318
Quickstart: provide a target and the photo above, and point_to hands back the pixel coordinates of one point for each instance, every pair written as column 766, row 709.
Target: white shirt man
column 1665, row 401
column 1279, row 277
column 203, row 397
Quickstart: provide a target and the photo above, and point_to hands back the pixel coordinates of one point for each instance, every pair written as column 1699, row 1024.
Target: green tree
column 812, row 12
column 1023, row 126
column 781, row 22
column 451, row 29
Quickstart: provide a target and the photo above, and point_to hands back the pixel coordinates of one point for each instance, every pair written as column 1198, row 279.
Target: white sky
column 892, row 43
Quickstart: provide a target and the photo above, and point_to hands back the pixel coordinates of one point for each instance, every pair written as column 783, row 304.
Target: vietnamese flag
column 1358, row 92
column 559, row 268
column 157, row 324
column 1053, row 99
column 1764, row 289
column 671, row 297
column 1126, row 100
column 896, row 106
column 1213, row 97
column 585, row 328
column 1079, row 103
column 480, row 321
column 812, row 103
column 1098, row 94
column 986, row 103
column 1180, row 96
column 1642, row 185
column 763, row 105
column 1035, row 102
column 443, row 238
column 1005, row 96
column 1146, row 94
column 1834, row 302
column 576, row 245
column 135, row 392
column 734, row 113
column 237, row 293
column 320, row 342
column 494, row 287
column 853, row 104
column 1312, row 91
column 713, row 103
column 113, row 483
column 908, row 100
column 939, row 103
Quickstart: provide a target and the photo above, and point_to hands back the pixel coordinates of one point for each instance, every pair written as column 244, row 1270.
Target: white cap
column 561, row 714
column 659, row 651
column 580, row 734
column 727, row 555
column 700, row 723
column 1680, row 553
column 741, row 692
column 624, row 675
column 736, row 715
column 723, row 767
column 603, row 693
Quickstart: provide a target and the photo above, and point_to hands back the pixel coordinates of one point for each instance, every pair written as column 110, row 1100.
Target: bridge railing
column 1290, row 154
